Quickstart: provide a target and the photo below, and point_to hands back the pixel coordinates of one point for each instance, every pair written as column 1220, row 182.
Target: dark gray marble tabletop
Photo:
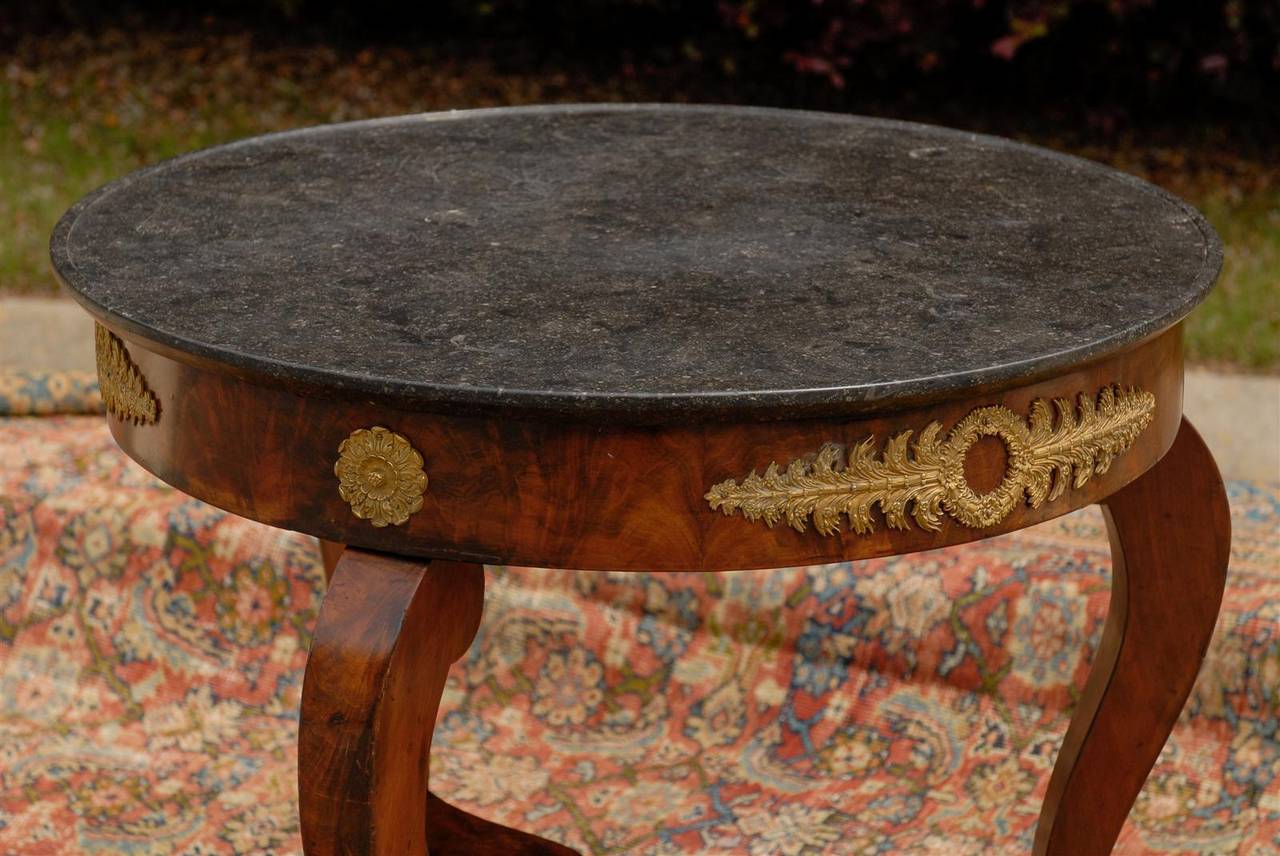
column 638, row 263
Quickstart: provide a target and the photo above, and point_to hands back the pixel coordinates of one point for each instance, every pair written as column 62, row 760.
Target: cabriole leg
column 389, row 628
column 1170, row 537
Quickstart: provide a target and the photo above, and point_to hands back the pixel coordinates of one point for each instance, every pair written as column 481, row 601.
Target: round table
column 654, row 338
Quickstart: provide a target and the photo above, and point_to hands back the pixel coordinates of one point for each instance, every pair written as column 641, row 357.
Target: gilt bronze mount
column 925, row 479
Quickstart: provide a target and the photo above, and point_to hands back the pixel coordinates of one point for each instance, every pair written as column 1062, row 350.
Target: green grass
column 1239, row 324
column 36, row 189
column 77, row 112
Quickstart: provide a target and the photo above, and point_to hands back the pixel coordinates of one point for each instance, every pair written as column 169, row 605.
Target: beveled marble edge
column 642, row 408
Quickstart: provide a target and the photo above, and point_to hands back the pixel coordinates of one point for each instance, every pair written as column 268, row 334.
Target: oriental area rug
column 152, row 648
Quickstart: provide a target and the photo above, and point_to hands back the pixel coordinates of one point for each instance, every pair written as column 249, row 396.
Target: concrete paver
column 44, row 333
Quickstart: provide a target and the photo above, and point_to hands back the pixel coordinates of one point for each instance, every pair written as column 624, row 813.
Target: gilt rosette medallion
column 380, row 476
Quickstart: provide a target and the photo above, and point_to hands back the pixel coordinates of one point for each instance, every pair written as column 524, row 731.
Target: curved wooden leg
column 1170, row 538
column 330, row 553
column 389, row 628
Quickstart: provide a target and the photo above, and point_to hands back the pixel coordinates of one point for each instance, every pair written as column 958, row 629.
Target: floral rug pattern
column 151, row 655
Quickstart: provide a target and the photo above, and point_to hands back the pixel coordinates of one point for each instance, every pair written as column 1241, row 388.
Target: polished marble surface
column 637, row 263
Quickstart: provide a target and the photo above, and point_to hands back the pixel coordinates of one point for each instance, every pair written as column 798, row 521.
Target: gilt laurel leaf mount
column 926, row 479
column 125, row 393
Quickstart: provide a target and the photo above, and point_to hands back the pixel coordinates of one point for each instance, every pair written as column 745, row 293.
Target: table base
column 391, row 626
